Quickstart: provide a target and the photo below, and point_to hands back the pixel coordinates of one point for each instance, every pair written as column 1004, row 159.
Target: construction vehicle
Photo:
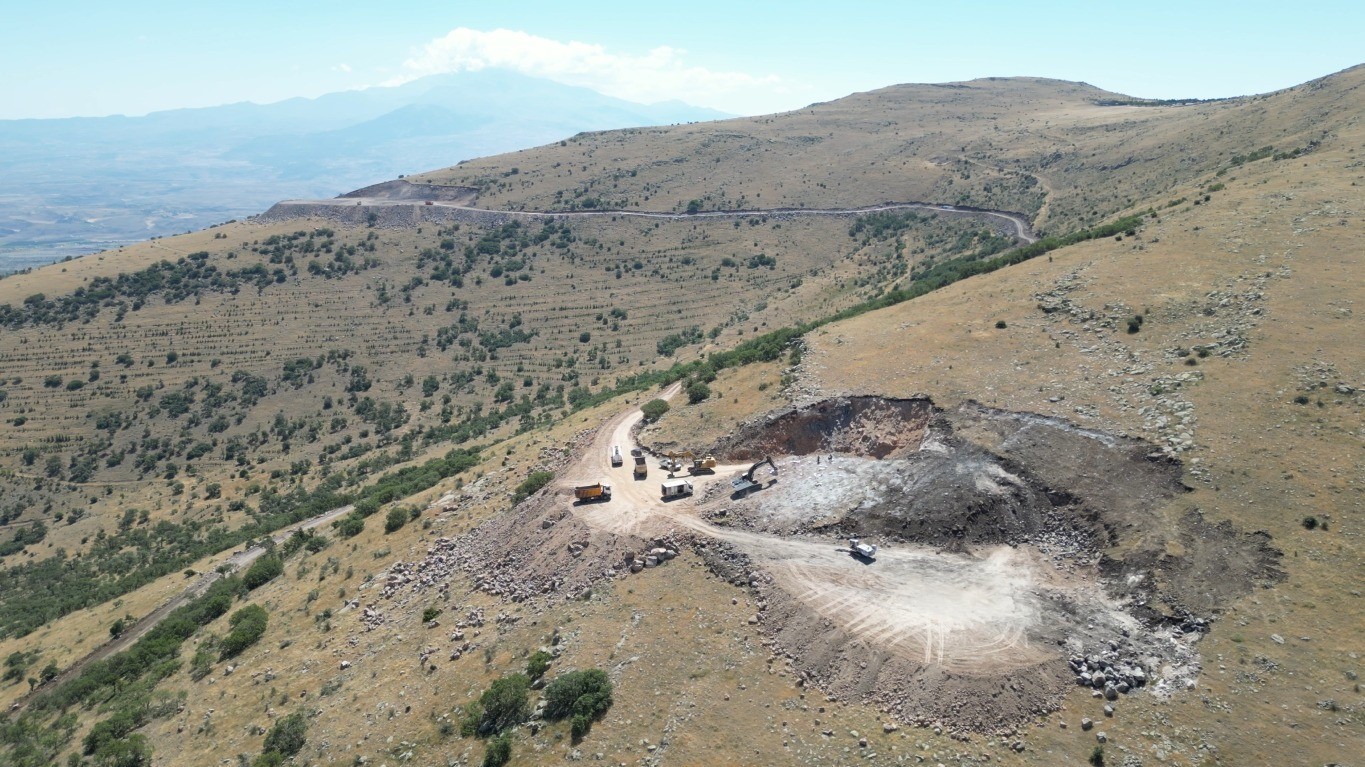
column 599, row 491
column 616, row 459
column 705, row 465
column 674, row 462
column 671, row 463
column 745, row 482
column 676, row 488
column 862, row 550
column 641, row 470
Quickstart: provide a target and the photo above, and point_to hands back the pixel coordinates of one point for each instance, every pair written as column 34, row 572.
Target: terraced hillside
column 166, row 404
column 205, row 382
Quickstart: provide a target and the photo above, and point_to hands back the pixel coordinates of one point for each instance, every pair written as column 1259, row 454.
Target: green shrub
column 429, row 614
column 1310, row 523
column 266, row 568
column 538, row 664
column 579, row 726
column 395, row 520
column 697, row 392
column 133, row 751
column 288, row 735
column 501, row 706
column 536, row 481
column 350, row 525
column 114, row 728
column 248, row 624
column 583, row 695
column 1000, row 325
column 498, row 752
column 1097, row 757
column 654, row 409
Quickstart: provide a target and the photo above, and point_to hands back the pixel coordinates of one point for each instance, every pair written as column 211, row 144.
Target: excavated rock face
column 867, row 426
column 903, row 470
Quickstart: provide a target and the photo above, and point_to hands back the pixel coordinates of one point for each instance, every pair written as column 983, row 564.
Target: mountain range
column 73, row 186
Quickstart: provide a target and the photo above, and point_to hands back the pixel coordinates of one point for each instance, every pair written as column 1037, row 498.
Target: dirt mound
column 540, row 548
column 1218, row 563
column 1123, row 482
column 954, row 494
column 852, row 668
column 867, row 426
column 404, row 190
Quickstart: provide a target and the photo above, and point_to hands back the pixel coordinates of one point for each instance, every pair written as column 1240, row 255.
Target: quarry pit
column 1019, row 555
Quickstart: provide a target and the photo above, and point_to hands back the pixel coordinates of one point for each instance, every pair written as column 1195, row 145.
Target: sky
column 82, row 58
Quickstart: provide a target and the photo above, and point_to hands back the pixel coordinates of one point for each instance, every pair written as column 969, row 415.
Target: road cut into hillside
column 399, row 203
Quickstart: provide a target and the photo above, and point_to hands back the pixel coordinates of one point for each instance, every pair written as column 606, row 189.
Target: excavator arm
column 745, row 482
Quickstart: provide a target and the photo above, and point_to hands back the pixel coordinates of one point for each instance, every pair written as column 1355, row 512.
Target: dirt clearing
column 1019, row 555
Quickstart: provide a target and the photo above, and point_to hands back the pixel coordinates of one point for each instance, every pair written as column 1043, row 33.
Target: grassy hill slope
column 307, row 358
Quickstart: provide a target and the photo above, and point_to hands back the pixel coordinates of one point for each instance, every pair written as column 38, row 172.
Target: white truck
column 862, row 550
column 616, row 459
column 676, row 488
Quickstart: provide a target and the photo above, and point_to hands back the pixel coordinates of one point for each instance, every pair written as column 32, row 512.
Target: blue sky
column 97, row 58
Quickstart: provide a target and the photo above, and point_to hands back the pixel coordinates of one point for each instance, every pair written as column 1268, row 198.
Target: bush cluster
column 248, row 624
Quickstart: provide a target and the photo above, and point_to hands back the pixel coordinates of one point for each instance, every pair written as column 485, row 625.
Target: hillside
column 1049, row 148
column 168, row 401
column 74, row 186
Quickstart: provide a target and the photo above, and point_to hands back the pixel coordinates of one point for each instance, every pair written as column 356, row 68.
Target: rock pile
column 1108, row 672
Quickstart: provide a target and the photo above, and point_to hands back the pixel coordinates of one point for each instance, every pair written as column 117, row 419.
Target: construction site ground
column 981, row 596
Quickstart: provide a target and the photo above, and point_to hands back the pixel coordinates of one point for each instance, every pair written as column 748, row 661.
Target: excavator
column 673, row 462
column 745, row 482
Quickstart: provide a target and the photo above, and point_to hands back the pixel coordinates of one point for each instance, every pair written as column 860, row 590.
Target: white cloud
column 343, row 67
column 660, row 74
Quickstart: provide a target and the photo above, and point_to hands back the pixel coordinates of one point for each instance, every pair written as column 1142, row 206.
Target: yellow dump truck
column 599, row 491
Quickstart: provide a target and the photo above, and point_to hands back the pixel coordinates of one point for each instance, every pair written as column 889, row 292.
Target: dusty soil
column 988, row 592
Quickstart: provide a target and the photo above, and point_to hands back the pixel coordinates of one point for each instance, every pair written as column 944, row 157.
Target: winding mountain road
column 300, row 208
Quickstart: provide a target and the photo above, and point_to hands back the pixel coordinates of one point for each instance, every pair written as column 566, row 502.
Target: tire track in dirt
column 964, row 614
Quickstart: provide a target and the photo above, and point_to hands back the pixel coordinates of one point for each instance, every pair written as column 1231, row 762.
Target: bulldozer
column 674, row 462
column 745, row 482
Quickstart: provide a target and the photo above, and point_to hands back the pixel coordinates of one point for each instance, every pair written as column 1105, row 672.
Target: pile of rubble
column 653, row 558
column 433, row 571
column 1108, row 672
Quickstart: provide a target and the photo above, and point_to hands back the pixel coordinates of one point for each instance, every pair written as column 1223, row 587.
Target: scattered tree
column 654, row 409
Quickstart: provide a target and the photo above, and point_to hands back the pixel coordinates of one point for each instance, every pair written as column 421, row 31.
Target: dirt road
column 1022, row 228
column 239, row 559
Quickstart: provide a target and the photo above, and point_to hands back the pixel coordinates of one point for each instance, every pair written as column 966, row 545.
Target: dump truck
column 862, row 550
column 676, row 488
column 616, row 459
column 641, row 470
column 745, row 482
column 598, row 491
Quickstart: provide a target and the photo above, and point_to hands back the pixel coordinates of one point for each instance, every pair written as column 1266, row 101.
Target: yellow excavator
column 673, row 462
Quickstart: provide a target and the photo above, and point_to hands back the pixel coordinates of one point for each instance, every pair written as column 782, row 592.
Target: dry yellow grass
column 1281, row 241
column 1259, row 459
